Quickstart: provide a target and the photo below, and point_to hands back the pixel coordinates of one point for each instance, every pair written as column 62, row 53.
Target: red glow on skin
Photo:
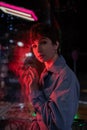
column 16, row 66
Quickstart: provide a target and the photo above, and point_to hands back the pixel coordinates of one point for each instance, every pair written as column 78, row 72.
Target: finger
column 34, row 72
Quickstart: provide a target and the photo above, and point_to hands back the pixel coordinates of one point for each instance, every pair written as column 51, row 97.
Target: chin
column 42, row 60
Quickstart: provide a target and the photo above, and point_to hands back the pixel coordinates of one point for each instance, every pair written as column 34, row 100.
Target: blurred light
column 10, row 28
column 34, row 114
column 15, row 30
column 18, row 11
column 2, row 15
column 76, row 116
column 11, row 41
column 29, row 54
column 12, row 17
column 20, row 44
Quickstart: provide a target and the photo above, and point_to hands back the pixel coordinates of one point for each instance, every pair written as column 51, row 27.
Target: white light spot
column 20, row 44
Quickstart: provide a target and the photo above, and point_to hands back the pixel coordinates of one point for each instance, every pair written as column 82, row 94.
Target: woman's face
column 43, row 49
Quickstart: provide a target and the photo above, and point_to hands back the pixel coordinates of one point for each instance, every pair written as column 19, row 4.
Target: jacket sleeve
column 59, row 109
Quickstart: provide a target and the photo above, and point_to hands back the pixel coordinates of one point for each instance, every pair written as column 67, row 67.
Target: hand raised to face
column 30, row 78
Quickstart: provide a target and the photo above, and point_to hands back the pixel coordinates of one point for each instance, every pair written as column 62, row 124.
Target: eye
column 34, row 46
column 43, row 42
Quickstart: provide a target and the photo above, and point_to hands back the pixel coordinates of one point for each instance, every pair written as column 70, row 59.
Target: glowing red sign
column 18, row 11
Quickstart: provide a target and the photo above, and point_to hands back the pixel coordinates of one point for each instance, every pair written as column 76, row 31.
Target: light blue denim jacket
column 56, row 102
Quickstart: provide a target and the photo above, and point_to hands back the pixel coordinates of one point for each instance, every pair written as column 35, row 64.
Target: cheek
column 51, row 50
column 35, row 53
column 49, row 53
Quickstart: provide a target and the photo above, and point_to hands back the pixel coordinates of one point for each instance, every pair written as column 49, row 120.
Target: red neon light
column 18, row 11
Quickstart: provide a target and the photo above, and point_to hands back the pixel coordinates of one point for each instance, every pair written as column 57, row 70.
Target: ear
column 57, row 45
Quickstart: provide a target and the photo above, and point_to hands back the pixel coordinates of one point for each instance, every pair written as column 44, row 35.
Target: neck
column 50, row 62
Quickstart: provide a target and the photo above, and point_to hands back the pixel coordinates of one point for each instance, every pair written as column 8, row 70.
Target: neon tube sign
column 18, row 11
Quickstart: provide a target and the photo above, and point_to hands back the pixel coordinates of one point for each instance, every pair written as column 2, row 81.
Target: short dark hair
column 45, row 30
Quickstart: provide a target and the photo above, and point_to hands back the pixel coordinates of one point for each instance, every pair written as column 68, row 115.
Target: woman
column 55, row 94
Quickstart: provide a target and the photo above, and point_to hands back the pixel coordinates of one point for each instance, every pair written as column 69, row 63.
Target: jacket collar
column 58, row 64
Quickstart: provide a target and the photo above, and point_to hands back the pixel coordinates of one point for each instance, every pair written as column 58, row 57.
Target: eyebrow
column 43, row 38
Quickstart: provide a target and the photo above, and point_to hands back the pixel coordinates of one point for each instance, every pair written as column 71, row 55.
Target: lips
column 41, row 56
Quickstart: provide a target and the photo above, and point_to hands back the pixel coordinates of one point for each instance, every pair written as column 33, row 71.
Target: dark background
column 71, row 17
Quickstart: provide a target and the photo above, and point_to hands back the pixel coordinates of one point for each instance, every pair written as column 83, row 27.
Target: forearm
column 37, row 98
column 47, row 109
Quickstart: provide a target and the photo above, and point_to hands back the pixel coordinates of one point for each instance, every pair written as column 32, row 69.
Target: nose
column 39, row 48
